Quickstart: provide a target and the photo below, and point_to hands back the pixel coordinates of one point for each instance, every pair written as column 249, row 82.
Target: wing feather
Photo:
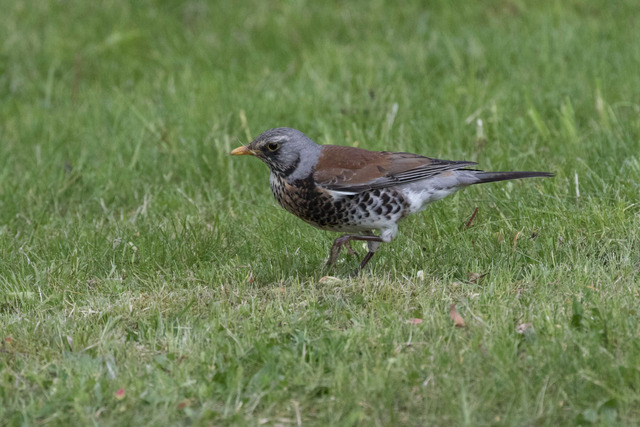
column 354, row 170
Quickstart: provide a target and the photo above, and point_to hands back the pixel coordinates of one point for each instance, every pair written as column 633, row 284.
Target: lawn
column 148, row 278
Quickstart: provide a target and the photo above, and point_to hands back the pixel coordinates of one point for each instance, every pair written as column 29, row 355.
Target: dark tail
column 482, row 177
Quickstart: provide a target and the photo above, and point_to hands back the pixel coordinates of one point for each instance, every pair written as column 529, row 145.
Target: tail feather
column 482, row 177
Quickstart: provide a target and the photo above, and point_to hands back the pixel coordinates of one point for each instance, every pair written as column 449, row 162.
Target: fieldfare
column 356, row 191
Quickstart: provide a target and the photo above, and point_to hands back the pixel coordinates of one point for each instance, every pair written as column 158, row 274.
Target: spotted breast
column 328, row 210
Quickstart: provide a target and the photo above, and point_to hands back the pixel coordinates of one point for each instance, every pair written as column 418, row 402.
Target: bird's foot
column 350, row 250
column 344, row 241
column 337, row 248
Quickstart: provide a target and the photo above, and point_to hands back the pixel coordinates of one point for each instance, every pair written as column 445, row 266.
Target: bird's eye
column 273, row 146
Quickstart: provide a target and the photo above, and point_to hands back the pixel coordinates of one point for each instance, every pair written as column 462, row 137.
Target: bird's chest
column 363, row 211
column 303, row 199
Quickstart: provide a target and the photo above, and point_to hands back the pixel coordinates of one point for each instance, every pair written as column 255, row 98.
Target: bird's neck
column 303, row 166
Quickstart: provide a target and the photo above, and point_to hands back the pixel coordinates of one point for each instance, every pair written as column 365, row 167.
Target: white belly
column 420, row 194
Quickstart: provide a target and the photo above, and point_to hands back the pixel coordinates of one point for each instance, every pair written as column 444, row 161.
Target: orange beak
column 243, row 151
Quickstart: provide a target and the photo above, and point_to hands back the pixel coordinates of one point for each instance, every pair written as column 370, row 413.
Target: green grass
column 136, row 255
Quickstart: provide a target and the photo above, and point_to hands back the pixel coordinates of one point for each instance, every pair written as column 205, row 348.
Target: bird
column 355, row 191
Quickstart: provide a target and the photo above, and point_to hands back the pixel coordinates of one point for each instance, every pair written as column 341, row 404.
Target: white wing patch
column 340, row 194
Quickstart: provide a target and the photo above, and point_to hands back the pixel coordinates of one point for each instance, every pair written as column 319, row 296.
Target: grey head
column 288, row 152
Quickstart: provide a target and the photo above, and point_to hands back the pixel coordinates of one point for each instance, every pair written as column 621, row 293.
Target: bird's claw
column 337, row 247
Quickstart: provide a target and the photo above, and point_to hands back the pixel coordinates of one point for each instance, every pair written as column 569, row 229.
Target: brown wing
column 354, row 170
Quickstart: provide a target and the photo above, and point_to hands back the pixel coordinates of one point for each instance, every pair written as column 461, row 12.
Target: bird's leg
column 364, row 262
column 344, row 240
